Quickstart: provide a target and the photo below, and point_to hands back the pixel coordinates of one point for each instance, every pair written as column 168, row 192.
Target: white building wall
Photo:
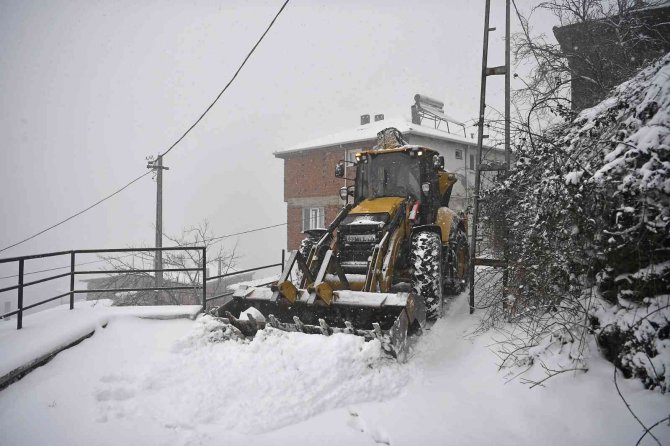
column 463, row 167
column 460, row 167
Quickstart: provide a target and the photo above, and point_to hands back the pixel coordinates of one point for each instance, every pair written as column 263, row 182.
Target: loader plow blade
column 389, row 317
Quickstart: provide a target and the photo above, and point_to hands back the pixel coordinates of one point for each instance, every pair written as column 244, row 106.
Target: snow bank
column 52, row 329
column 276, row 379
column 164, row 382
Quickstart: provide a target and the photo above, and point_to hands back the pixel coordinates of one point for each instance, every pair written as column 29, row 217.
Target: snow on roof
column 369, row 132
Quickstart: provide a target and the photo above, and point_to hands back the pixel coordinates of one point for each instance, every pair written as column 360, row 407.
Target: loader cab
column 408, row 172
column 396, row 174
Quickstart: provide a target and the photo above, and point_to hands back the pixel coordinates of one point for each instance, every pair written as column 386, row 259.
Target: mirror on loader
column 438, row 162
column 339, row 169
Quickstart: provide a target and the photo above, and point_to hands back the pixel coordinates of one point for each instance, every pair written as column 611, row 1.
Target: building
column 603, row 53
column 311, row 190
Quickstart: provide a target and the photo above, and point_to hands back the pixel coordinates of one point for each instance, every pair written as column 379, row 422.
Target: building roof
column 368, row 132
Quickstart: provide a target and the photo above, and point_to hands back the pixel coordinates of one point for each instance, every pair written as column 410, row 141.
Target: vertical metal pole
column 19, row 316
column 480, row 140
column 465, row 175
column 507, row 86
column 505, row 278
column 71, row 280
column 204, row 279
column 283, row 259
column 158, row 257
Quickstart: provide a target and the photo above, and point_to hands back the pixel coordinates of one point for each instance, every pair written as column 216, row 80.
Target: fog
column 91, row 88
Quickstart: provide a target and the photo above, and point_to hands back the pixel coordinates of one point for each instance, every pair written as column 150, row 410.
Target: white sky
column 90, row 88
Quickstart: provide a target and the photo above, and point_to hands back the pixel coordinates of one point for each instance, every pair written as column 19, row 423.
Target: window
column 472, row 162
column 312, row 218
column 391, row 175
column 459, row 154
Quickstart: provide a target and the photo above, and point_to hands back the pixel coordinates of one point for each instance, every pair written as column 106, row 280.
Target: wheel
column 306, row 245
column 312, row 237
column 456, row 262
column 426, row 264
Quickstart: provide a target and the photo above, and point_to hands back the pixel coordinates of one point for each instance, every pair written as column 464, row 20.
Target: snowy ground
column 48, row 330
column 161, row 382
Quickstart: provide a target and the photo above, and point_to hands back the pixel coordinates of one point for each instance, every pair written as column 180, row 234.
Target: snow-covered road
column 161, row 382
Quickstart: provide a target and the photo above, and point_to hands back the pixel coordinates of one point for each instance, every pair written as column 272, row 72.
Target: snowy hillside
column 163, row 382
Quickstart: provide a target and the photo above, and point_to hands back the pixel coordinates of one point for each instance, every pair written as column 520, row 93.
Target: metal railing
column 21, row 285
column 230, row 293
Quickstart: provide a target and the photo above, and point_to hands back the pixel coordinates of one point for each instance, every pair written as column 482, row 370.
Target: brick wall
column 294, row 227
column 312, row 173
column 309, row 181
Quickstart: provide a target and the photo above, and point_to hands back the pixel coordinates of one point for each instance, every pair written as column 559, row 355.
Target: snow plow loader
column 381, row 268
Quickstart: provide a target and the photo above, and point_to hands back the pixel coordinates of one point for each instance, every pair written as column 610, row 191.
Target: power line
column 77, row 214
column 229, row 82
column 232, row 235
column 172, row 146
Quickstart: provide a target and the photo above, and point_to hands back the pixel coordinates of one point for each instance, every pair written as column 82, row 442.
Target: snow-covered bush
column 636, row 339
column 588, row 212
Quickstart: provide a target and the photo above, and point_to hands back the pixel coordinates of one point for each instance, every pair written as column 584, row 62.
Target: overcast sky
column 90, row 88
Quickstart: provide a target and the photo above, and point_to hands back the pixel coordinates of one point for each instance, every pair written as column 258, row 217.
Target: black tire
column 456, row 262
column 312, row 237
column 426, row 265
column 306, row 245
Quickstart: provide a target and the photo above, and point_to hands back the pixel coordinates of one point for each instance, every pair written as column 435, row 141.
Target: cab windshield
column 388, row 175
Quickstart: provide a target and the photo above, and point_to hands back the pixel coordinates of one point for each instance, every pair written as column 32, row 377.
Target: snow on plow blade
column 389, row 317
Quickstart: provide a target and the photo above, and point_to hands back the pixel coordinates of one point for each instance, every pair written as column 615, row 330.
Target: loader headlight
column 343, row 193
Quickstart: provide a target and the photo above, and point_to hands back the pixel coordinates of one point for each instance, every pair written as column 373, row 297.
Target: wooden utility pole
column 157, row 166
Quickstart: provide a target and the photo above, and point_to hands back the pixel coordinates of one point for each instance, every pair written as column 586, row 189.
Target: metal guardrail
column 21, row 285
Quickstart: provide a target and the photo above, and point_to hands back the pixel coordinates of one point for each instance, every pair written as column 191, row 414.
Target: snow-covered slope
column 48, row 331
column 164, row 382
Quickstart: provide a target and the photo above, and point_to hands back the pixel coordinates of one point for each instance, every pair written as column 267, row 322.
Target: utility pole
column 508, row 99
column 481, row 167
column 157, row 166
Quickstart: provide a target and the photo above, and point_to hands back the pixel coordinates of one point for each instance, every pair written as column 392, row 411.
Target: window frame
column 311, row 221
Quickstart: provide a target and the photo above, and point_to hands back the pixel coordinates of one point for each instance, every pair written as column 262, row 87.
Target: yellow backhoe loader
column 381, row 268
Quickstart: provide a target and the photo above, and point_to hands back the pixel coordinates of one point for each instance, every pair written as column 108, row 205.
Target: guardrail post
column 19, row 315
column 72, row 280
column 204, row 280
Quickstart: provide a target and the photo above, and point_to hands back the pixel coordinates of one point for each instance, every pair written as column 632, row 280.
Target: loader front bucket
column 389, row 317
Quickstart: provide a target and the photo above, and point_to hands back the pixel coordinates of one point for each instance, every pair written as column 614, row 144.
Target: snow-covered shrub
column 637, row 339
column 588, row 210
